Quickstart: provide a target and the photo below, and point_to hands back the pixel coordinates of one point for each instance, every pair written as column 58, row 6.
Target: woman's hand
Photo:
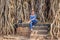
column 29, row 21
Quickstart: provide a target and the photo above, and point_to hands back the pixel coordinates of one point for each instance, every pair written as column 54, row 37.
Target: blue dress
column 33, row 20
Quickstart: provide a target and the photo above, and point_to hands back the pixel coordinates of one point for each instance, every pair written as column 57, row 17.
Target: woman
column 33, row 19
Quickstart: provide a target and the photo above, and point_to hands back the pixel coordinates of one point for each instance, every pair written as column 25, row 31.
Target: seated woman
column 33, row 19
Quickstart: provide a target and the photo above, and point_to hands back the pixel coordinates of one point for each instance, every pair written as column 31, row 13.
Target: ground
column 10, row 37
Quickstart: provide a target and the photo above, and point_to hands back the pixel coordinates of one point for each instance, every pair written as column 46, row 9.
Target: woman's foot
column 31, row 29
column 33, row 26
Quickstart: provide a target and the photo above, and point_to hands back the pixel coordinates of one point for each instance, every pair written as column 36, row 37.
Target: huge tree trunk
column 13, row 10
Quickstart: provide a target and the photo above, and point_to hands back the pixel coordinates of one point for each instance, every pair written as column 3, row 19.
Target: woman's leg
column 34, row 22
column 30, row 25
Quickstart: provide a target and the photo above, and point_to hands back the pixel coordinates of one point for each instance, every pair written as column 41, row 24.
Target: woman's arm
column 33, row 18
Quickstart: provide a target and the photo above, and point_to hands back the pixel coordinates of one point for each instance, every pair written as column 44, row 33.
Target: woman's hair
column 32, row 9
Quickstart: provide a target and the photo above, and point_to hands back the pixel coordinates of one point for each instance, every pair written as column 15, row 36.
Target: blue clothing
column 32, row 17
column 33, row 20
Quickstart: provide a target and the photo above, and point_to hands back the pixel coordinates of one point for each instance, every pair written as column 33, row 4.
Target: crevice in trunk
column 47, row 9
